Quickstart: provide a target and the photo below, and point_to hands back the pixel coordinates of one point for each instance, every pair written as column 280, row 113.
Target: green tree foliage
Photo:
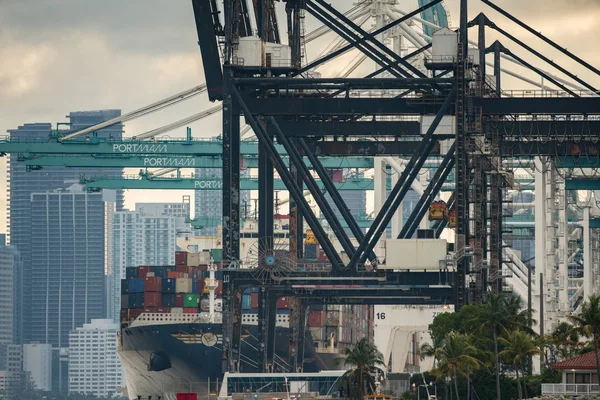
column 365, row 363
column 587, row 323
column 518, row 348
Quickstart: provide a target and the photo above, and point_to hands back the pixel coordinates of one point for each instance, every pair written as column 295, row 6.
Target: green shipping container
column 191, row 300
column 217, row 255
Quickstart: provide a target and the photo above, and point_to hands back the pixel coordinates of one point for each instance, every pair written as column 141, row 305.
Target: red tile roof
column 584, row 361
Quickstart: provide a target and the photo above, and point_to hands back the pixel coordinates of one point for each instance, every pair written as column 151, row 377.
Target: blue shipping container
column 283, row 311
column 219, row 275
column 124, row 286
column 161, row 272
column 136, row 285
column 168, row 300
column 168, row 285
column 246, row 302
column 194, row 286
column 131, row 272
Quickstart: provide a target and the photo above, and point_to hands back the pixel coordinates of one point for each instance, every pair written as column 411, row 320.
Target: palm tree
column 365, row 361
column 457, row 357
column 564, row 338
column 587, row 323
column 500, row 314
column 518, row 347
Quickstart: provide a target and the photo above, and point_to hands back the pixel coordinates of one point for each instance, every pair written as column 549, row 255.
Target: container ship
column 170, row 340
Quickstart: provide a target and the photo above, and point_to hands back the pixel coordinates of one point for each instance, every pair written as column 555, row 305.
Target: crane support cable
column 180, row 123
column 185, row 95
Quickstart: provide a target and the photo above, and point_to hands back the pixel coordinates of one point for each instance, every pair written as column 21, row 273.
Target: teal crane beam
column 146, row 181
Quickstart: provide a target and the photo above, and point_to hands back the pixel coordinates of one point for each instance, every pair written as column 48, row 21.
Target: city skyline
column 129, row 56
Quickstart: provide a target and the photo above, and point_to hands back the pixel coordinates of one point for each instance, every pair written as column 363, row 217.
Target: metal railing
column 570, row 388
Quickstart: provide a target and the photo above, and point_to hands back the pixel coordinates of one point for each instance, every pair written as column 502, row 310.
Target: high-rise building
column 10, row 265
column 94, row 367
column 208, row 204
column 37, row 361
column 22, row 183
column 67, row 267
column 146, row 236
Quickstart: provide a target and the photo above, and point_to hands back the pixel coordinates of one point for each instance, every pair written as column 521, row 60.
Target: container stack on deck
column 176, row 289
column 346, row 324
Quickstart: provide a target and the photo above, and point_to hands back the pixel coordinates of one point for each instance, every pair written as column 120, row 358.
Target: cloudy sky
column 68, row 55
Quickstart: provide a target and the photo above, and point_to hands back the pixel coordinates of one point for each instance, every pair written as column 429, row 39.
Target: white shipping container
column 183, row 285
column 204, row 258
column 193, row 259
column 176, row 310
column 415, row 254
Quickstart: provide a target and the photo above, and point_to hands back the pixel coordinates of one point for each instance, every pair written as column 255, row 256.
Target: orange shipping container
column 316, row 319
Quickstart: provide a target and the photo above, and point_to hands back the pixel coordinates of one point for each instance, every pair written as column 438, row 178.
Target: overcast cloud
column 67, row 55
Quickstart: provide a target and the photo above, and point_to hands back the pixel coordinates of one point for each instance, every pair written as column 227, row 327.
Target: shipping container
column 136, row 286
column 136, row 312
column 190, row 310
column 153, row 284
column 253, row 300
column 125, row 302
column 176, row 310
column 161, row 272
column 124, row 286
column 183, row 285
column 168, row 300
column 246, row 302
column 283, row 302
column 316, row 319
column 143, row 271
column 217, row 255
column 191, row 300
column 181, row 257
column 204, row 258
column 310, row 251
column 136, row 300
column 219, row 275
column 219, row 291
column 174, row 274
column 153, row 299
column 169, row 285
column 194, row 286
column 333, row 318
column 185, row 269
column 163, row 310
column 131, row 272
column 193, row 259
column 179, row 299
column 124, row 315
column 151, row 310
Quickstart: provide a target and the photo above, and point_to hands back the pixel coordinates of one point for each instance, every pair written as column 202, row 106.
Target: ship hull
column 162, row 360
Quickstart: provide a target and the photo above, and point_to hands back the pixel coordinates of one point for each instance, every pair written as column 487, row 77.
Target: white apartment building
column 37, row 361
column 94, row 366
column 146, row 236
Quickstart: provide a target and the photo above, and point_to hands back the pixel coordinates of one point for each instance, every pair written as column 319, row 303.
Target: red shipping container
column 316, row 319
column 143, row 271
column 190, row 311
column 152, row 299
column 179, row 299
column 219, row 290
column 181, row 257
column 163, row 310
column 152, row 310
column 124, row 315
column 185, row 269
column 283, row 302
column 134, row 313
column 253, row 300
column 153, row 284
column 186, row 396
column 202, row 268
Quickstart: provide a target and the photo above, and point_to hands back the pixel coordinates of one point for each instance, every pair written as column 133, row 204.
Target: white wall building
column 37, row 360
column 94, row 366
column 146, row 236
